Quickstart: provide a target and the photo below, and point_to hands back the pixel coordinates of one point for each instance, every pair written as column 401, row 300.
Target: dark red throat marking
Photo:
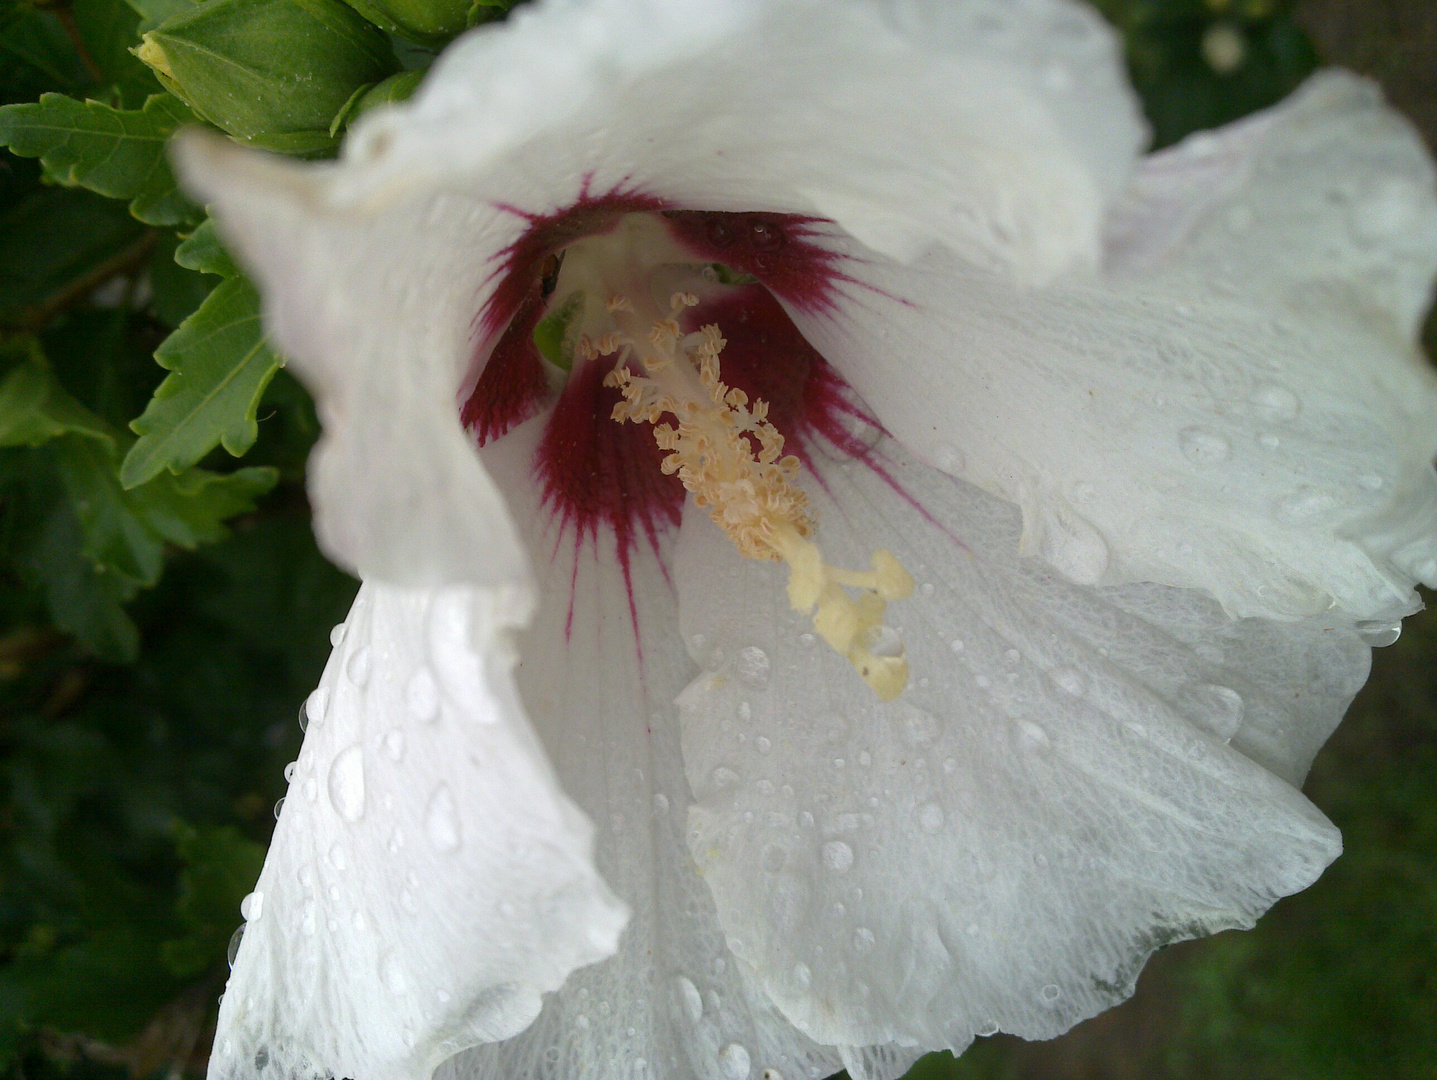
column 598, row 474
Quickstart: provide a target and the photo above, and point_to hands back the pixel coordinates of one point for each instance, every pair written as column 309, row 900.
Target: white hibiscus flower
column 1105, row 471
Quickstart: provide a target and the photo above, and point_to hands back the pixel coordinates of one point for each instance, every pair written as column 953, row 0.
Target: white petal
column 1000, row 129
column 1073, row 778
column 379, row 327
column 1236, row 405
column 428, row 880
column 672, row 1002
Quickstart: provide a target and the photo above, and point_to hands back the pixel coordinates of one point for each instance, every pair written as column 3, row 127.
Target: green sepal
column 300, row 144
column 118, row 153
column 219, row 364
column 262, row 69
column 554, row 333
column 394, row 89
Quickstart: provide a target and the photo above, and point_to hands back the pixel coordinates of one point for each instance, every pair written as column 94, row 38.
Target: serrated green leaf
column 118, row 153
column 125, row 531
column 202, row 250
column 219, row 364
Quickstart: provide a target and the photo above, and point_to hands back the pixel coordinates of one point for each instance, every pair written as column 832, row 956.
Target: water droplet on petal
column 278, row 807
column 1221, row 709
column 956, row 645
column 930, row 817
column 289, row 771
column 392, row 974
column 723, row 777
column 1306, row 502
column 441, row 820
column 689, row 997
column 1203, row 447
column 252, row 906
column 919, row 725
column 661, row 803
column 1051, row 993
column 1273, row 402
column 346, row 783
column 336, row 636
column 863, row 939
column 394, row 744
column 753, row 666
column 988, row 1028
column 316, row 706
column 734, row 1062
column 763, row 743
column 1378, row 633
column 884, row 641
column 1030, row 736
column 359, row 665
column 1069, row 680
column 837, row 856
column 232, row 953
column 1072, row 545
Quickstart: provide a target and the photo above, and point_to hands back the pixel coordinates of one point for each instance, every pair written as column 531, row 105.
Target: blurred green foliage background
column 163, row 612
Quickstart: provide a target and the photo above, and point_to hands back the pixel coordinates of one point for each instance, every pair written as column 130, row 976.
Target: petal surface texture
column 428, row 880
column 1236, row 404
column 602, row 663
column 1073, row 778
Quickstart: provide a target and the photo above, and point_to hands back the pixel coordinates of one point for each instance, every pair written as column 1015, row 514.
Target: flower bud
column 272, row 72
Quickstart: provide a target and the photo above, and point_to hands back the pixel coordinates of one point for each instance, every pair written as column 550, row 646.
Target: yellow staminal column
column 752, row 497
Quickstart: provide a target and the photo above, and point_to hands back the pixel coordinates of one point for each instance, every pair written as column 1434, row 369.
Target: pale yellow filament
column 753, row 498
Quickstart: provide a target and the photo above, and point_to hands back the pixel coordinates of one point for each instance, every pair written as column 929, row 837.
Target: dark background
column 136, row 791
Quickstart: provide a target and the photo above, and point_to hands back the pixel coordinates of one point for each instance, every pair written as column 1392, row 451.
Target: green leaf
column 123, row 532
column 34, row 408
column 113, row 152
column 221, row 867
column 126, row 530
column 46, row 544
column 57, row 243
column 219, row 364
column 203, row 251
